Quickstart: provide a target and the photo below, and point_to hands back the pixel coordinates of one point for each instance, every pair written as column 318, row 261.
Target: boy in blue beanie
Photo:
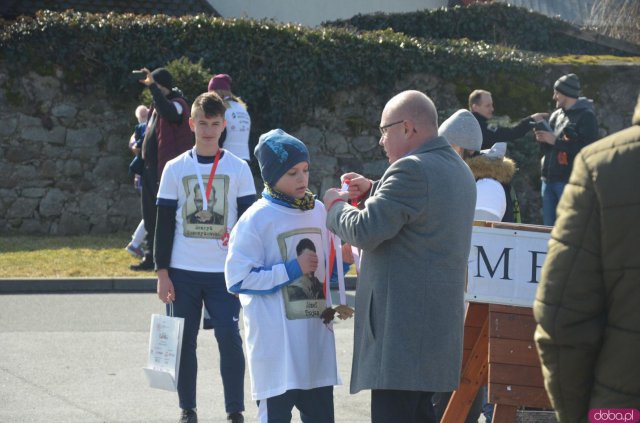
column 277, row 258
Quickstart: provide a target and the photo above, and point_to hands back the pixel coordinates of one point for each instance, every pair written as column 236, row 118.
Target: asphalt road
column 78, row 358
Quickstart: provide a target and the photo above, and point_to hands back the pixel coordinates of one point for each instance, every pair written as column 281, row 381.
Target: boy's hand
column 165, row 287
column 358, row 184
column 308, row 261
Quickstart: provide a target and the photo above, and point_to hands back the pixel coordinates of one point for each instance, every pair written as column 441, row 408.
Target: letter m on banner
column 487, row 264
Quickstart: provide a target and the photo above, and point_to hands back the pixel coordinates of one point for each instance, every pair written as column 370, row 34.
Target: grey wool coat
column 415, row 235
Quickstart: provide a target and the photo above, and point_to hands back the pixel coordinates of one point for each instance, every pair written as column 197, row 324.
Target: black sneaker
column 235, row 417
column 145, row 265
column 188, row 416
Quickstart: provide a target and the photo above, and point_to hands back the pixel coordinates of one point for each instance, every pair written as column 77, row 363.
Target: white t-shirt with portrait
column 288, row 345
column 201, row 241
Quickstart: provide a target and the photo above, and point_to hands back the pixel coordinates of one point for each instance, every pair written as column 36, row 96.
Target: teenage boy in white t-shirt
column 275, row 250
column 191, row 248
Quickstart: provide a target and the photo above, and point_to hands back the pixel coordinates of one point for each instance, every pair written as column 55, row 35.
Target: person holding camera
column 573, row 125
column 167, row 136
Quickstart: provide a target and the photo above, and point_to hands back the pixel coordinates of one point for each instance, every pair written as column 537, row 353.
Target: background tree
column 617, row 18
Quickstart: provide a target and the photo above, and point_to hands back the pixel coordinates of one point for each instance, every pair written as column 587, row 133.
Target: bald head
column 416, row 106
column 408, row 120
column 417, row 109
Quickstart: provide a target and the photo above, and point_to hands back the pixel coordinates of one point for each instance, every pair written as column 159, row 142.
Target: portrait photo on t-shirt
column 201, row 223
column 304, row 298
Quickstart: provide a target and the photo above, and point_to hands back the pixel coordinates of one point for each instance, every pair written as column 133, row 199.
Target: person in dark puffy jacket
column 573, row 126
column 588, row 333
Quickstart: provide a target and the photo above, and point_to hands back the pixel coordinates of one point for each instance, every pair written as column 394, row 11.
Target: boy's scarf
column 305, row 203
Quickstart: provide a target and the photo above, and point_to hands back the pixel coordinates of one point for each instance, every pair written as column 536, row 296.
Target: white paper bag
column 165, row 344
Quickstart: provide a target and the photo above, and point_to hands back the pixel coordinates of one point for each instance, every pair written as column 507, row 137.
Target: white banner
column 504, row 265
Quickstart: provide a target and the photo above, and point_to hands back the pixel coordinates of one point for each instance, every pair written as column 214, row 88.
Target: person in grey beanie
column 573, row 126
column 493, row 174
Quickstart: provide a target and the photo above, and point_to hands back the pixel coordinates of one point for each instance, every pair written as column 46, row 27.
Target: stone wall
column 64, row 156
column 63, row 161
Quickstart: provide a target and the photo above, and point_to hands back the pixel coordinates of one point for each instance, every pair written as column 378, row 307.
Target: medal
column 342, row 310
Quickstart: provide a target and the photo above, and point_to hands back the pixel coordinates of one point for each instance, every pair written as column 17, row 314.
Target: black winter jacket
column 574, row 128
column 492, row 134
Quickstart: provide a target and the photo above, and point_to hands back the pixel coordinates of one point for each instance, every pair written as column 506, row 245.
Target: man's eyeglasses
column 383, row 129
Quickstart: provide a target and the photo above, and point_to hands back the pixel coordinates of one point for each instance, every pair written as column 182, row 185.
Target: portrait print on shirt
column 304, row 298
column 198, row 222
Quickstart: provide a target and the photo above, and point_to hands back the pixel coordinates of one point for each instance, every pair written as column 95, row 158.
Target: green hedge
column 281, row 70
column 495, row 23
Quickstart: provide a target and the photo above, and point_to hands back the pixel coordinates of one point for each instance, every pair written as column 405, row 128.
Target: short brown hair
column 211, row 104
column 476, row 97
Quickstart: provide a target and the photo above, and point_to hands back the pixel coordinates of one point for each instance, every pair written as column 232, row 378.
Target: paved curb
column 83, row 285
column 91, row 285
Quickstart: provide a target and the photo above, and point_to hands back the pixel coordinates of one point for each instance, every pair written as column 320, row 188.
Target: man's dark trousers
column 393, row 406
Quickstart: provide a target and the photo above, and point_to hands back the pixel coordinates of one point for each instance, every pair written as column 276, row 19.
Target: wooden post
column 515, row 376
column 499, row 351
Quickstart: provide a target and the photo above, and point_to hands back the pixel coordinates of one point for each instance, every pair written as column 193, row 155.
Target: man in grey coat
column 414, row 230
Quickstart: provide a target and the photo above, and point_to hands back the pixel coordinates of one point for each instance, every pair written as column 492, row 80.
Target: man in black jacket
column 481, row 105
column 573, row 126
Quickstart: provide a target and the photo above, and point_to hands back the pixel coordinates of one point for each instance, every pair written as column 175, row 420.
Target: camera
column 542, row 125
column 138, row 75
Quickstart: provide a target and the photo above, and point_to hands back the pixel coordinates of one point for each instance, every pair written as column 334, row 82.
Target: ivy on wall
column 281, row 70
